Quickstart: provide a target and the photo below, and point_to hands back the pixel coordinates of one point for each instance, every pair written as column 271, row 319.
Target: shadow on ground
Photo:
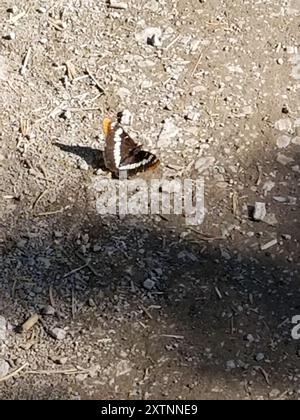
column 215, row 322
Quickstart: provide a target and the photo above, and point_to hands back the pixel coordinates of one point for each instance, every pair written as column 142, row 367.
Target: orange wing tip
column 154, row 165
column 106, row 125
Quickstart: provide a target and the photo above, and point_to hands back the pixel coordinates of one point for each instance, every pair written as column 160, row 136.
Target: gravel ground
column 148, row 307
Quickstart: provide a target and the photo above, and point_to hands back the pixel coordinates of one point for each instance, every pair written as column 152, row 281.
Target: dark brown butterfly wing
column 123, row 154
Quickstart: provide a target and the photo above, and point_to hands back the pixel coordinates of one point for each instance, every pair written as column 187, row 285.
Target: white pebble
column 260, row 211
column 283, row 142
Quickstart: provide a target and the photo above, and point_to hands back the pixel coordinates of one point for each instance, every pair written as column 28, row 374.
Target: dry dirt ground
column 213, row 88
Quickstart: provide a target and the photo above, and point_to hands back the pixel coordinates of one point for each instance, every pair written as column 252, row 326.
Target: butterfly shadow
column 93, row 157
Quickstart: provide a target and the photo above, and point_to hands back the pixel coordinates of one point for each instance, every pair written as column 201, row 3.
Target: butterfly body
column 122, row 154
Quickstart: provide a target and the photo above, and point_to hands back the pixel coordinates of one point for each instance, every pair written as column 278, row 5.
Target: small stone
column 290, row 49
column 59, row 360
column 3, row 326
column 260, row 211
column 126, row 118
column 280, row 199
column 269, row 244
column 259, row 357
column 4, row 368
column 283, row 142
column 67, row 115
column 43, row 41
column 115, row 4
column 284, row 124
column 268, row 186
column 58, row 234
column 42, row 9
column 123, row 93
column 250, row 338
column 192, row 114
column 274, row 393
column 296, row 141
column 123, row 367
column 92, row 303
column 270, row 219
column 280, row 61
column 11, row 36
column 57, row 333
column 296, row 168
column 292, row 200
column 48, row 310
column 168, row 134
column 248, row 110
column 286, row 237
column 13, row 10
column 82, row 164
column 230, row 365
column 204, row 163
column 149, row 284
column 150, row 36
column 284, row 160
column 21, row 243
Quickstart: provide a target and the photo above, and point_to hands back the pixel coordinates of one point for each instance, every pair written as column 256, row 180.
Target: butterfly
column 122, row 154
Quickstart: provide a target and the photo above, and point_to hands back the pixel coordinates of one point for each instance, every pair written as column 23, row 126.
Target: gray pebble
column 57, row 333
column 149, row 284
column 4, row 368
column 3, row 325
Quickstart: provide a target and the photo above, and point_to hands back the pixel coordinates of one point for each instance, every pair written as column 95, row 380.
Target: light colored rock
column 58, row 333
column 82, row 164
column 2, row 328
column 123, row 93
column 123, row 368
column 259, row 357
column 126, row 118
column 192, row 114
column 270, row 219
column 149, row 284
column 269, row 244
column 280, row 199
column 4, row 368
column 283, row 141
column 48, row 310
column 260, row 211
column 11, row 36
column 204, row 163
column 116, row 4
column 274, row 393
column 150, row 36
column 152, row 5
column 292, row 200
column 168, row 135
column 284, row 160
column 268, row 186
column 284, row 124
column 230, row 365
column 250, row 338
